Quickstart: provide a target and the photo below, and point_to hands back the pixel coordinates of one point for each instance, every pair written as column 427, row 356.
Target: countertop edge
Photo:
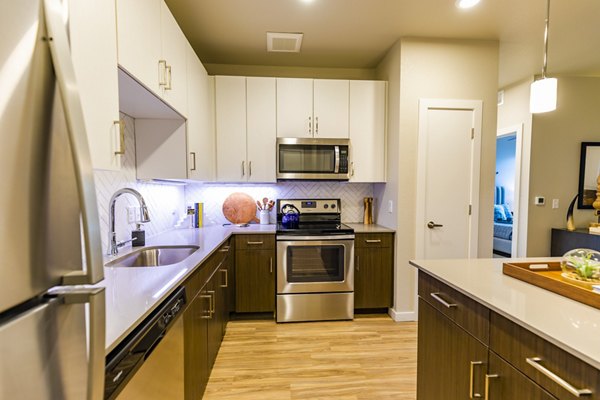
column 518, row 321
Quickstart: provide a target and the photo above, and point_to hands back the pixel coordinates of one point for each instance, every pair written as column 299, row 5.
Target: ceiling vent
column 278, row 42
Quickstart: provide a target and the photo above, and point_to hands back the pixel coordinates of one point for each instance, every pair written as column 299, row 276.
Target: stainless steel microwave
column 313, row 159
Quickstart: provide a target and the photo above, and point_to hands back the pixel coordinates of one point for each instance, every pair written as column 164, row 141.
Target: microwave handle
column 337, row 159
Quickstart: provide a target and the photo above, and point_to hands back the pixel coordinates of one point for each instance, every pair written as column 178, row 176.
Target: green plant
column 583, row 263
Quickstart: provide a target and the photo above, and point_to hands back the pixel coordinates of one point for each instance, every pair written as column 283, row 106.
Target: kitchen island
column 503, row 324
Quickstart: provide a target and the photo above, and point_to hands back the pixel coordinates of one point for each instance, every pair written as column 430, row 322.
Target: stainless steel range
column 315, row 261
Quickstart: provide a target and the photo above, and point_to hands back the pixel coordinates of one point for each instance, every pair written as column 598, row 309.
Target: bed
column 503, row 227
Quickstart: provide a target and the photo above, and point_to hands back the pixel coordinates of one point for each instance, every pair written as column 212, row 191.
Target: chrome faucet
column 113, row 246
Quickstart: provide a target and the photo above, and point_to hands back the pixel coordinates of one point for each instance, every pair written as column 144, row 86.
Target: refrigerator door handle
column 97, row 334
column 65, row 76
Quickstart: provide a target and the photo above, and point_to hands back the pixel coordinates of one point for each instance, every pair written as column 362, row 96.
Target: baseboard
column 403, row 316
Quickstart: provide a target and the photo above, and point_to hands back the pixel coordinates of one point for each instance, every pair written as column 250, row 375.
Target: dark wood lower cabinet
column 255, row 281
column 373, row 277
column 451, row 363
column 196, row 369
column 504, row 382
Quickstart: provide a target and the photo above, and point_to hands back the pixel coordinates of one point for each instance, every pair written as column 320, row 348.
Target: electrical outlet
column 131, row 214
column 555, row 203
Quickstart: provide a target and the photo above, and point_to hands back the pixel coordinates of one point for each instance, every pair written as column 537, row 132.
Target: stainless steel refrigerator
column 51, row 320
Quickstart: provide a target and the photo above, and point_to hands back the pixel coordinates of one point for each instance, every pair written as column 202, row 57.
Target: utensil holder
column 264, row 217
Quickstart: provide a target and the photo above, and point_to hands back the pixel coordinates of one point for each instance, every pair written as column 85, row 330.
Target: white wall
column 421, row 68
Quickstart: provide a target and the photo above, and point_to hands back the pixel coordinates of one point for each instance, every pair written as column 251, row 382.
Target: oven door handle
column 315, row 238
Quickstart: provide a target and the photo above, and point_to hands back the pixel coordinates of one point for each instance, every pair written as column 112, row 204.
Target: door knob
column 432, row 225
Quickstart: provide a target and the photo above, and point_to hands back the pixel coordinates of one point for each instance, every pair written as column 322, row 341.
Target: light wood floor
column 368, row 358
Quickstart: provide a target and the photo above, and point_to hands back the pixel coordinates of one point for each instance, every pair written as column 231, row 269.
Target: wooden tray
column 551, row 280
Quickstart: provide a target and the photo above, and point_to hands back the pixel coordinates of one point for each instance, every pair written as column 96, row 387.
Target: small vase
column 264, row 217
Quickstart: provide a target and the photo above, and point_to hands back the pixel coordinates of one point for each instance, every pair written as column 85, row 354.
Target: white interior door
column 448, row 178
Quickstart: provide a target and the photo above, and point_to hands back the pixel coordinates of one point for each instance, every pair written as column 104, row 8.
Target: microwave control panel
column 343, row 160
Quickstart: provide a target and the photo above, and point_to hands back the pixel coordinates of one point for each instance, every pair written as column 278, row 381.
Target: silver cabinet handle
column 210, row 305
column 309, row 125
column 243, row 168
column 193, row 160
column 254, row 243
column 432, row 225
column 97, row 330
column 226, row 279
column 162, row 72
column 249, row 168
column 472, row 394
column 535, row 363
column 224, row 249
column 487, row 385
column 317, row 125
column 271, row 265
column 442, row 301
column 65, row 77
column 169, row 79
column 121, row 150
column 372, row 240
column 352, row 168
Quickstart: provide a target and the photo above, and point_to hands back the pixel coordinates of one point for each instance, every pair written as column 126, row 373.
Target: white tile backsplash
column 213, row 196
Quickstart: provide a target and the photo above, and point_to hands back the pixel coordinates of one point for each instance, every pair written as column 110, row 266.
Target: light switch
column 555, row 203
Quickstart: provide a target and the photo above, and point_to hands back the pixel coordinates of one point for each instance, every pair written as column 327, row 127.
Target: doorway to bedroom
column 506, row 196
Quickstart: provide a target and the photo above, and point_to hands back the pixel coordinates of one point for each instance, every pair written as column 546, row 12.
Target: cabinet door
column 294, row 108
column 261, row 129
column 196, row 369
column 448, row 358
column 230, row 112
column 507, row 383
column 94, row 50
column 139, row 40
column 200, row 133
column 255, row 281
column 331, row 100
column 156, row 142
column 373, row 277
column 367, row 131
column 174, row 49
column 214, row 326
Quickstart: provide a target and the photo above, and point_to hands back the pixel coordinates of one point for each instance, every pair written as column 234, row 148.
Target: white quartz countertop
column 572, row 326
column 369, row 228
column 133, row 293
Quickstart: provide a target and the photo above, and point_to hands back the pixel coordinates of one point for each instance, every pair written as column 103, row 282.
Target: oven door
column 315, row 264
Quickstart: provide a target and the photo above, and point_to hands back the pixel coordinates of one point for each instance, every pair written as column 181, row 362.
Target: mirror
column 589, row 169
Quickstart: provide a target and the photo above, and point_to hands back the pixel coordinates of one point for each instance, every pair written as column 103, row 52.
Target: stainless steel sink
column 154, row 256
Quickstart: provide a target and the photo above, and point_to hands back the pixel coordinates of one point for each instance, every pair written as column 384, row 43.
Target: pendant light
column 544, row 91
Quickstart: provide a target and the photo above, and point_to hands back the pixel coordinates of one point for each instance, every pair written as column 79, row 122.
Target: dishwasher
column 148, row 364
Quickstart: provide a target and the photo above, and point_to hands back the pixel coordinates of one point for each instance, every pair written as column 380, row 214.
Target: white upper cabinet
column 367, row 131
column 152, row 48
column 261, row 129
column 230, row 120
column 200, row 123
column 294, row 107
column 245, row 127
column 174, row 49
column 330, row 110
column 139, row 38
column 93, row 31
column 312, row 108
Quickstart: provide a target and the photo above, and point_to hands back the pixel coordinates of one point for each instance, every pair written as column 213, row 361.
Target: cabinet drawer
column 541, row 361
column 464, row 311
column 373, row 240
column 254, row 242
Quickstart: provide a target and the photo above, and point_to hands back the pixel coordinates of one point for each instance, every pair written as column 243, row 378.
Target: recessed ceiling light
column 466, row 3
column 307, row 1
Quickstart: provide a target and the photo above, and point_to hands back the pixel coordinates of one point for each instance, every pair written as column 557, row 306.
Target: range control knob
column 326, row 206
column 333, row 206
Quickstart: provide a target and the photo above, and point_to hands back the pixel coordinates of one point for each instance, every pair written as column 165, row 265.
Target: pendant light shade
column 543, row 95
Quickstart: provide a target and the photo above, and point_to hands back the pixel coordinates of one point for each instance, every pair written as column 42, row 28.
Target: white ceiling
column 358, row 33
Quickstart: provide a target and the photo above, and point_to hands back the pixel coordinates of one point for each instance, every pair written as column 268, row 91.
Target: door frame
column 517, row 130
column 476, row 106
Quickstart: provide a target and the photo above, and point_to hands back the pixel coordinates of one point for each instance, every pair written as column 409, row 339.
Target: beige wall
column 290, row 72
column 442, row 70
column 515, row 113
column 555, row 153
